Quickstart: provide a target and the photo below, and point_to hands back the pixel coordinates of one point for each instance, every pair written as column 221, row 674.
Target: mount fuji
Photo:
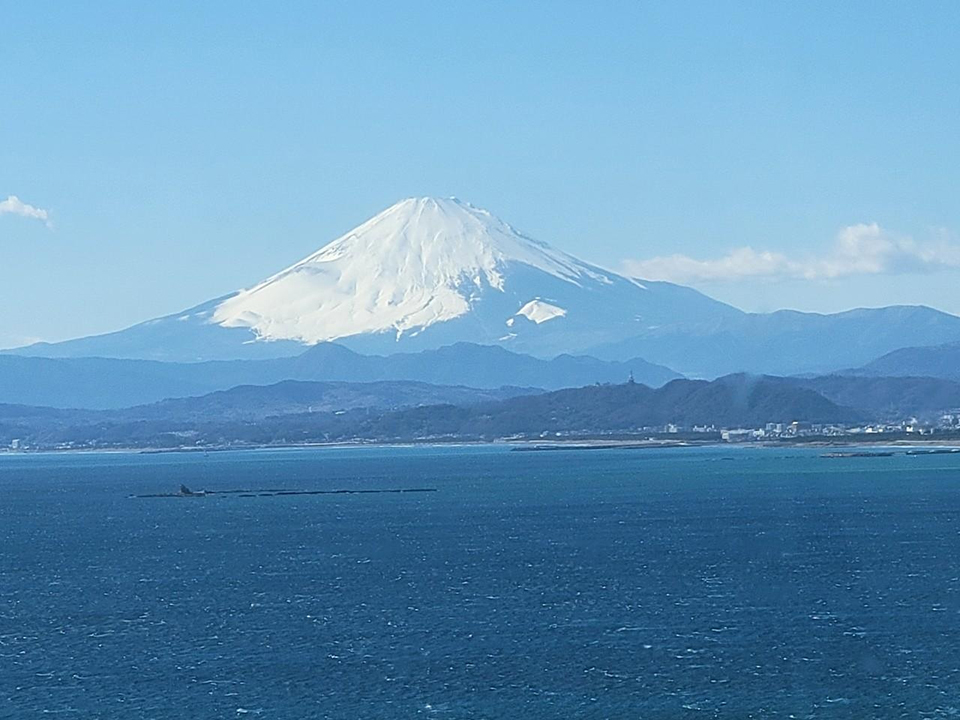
column 424, row 273
column 430, row 272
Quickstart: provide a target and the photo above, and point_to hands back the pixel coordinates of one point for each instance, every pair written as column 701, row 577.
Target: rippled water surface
column 570, row 584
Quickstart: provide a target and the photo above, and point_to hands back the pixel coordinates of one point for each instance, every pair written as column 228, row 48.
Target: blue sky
column 774, row 155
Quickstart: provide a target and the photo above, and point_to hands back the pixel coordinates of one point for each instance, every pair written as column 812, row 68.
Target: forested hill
column 733, row 401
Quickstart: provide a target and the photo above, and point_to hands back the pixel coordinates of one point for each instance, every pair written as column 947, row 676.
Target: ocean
column 671, row 583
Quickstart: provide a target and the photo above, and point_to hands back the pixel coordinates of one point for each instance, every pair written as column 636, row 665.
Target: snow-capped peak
column 450, row 237
column 419, row 262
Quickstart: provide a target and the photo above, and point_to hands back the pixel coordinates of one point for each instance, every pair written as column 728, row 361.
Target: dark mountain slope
column 731, row 401
column 251, row 415
column 99, row 383
column 893, row 398
column 939, row 361
column 254, row 402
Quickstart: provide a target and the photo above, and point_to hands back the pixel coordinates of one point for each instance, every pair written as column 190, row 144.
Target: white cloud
column 16, row 341
column 858, row 250
column 15, row 206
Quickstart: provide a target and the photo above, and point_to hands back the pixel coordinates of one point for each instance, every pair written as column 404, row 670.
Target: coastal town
column 944, row 428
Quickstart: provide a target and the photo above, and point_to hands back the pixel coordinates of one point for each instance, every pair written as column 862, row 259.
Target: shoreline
column 514, row 445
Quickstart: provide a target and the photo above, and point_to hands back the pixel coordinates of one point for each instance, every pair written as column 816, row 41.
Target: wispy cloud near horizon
column 9, row 342
column 862, row 249
column 15, row 206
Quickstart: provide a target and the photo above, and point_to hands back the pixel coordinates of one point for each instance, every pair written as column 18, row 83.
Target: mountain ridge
column 627, row 407
column 295, row 411
column 939, row 361
column 430, row 272
column 422, row 274
column 110, row 383
column 788, row 342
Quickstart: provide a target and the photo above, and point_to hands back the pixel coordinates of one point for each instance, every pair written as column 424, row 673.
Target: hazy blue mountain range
column 305, row 412
column 295, row 411
column 788, row 342
column 940, row 361
column 253, row 402
column 431, row 272
column 256, row 402
column 101, row 383
column 888, row 398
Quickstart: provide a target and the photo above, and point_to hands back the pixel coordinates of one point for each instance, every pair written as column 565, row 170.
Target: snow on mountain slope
column 539, row 312
column 422, row 261
column 427, row 273
column 424, row 273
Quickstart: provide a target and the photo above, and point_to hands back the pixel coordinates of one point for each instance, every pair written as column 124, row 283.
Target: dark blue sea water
column 723, row 583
